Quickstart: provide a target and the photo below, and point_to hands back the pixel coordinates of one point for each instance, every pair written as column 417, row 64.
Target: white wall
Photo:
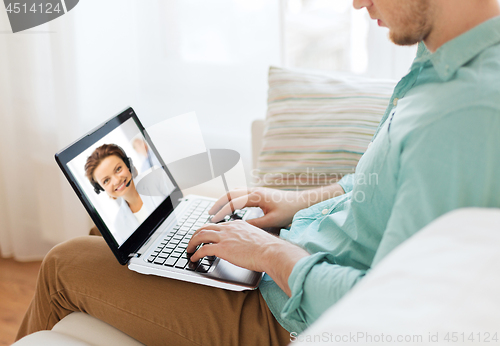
column 170, row 57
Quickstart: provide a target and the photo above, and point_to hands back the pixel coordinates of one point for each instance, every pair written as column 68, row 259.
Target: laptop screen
column 120, row 178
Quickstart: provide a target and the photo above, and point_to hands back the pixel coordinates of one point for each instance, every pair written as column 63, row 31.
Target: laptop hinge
column 134, row 254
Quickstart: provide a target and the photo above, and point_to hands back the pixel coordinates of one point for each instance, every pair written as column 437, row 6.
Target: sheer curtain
column 38, row 101
column 164, row 58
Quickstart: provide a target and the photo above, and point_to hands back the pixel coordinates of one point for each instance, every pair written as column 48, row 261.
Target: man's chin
column 403, row 40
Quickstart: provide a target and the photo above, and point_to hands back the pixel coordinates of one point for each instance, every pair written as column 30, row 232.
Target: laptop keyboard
column 172, row 250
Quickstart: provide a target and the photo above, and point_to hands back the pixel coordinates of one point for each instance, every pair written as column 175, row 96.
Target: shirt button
column 324, row 212
column 395, row 102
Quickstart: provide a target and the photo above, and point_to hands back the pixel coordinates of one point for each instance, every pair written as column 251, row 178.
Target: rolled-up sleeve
column 316, row 283
column 347, row 182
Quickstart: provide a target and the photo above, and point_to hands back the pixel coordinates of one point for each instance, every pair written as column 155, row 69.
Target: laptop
column 136, row 204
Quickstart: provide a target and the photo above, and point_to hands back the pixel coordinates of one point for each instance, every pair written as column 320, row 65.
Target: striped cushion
column 317, row 126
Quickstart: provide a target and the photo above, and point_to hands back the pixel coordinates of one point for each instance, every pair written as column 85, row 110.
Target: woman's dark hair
column 96, row 158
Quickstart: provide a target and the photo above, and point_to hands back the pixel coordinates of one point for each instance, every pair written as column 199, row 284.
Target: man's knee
column 72, row 251
column 72, row 247
column 64, row 260
column 95, row 231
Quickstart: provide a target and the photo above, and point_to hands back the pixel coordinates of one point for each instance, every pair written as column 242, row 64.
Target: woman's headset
column 128, row 162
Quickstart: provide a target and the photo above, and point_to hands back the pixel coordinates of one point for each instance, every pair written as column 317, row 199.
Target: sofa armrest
column 79, row 329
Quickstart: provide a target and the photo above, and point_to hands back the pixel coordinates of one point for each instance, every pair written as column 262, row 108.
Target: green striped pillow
column 317, row 126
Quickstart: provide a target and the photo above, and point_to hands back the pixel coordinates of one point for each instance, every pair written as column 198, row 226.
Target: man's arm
column 279, row 206
column 313, row 282
column 277, row 257
column 443, row 166
column 324, row 193
column 249, row 247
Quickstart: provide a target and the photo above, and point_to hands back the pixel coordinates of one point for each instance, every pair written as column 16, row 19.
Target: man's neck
column 455, row 17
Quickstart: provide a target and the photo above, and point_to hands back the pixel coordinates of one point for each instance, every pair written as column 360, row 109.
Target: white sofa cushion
column 441, row 281
column 79, row 329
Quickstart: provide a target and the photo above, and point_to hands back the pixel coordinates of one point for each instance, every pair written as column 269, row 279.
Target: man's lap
column 83, row 275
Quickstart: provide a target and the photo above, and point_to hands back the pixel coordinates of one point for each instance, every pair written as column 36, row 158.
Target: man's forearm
column 280, row 257
column 321, row 194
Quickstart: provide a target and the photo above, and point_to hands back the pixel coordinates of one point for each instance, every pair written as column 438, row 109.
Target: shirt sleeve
column 347, row 182
column 316, row 283
column 442, row 167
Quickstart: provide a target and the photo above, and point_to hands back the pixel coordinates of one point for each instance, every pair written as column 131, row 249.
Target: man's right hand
column 278, row 206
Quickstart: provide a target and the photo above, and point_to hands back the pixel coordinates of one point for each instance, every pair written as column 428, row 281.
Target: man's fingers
column 233, row 194
column 237, row 203
column 260, row 222
column 205, row 250
column 202, row 236
column 208, row 226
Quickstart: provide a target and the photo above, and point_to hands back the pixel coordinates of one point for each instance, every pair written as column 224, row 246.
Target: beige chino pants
column 83, row 275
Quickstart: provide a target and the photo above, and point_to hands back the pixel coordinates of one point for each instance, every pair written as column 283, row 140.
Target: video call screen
column 122, row 178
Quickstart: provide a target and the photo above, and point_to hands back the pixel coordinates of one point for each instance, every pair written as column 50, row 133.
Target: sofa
column 438, row 287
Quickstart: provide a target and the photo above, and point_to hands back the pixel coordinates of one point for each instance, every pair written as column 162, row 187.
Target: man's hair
column 99, row 154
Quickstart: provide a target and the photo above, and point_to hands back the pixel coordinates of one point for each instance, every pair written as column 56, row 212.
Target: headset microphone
column 128, row 184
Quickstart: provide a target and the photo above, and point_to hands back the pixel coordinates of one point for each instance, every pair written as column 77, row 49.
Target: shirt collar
column 455, row 53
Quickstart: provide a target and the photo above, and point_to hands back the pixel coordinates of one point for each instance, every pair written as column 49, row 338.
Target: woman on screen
column 110, row 170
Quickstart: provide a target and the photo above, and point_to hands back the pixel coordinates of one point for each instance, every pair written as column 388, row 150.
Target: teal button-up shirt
column 437, row 148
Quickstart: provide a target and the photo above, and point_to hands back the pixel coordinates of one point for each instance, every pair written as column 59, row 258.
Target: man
column 436, row 150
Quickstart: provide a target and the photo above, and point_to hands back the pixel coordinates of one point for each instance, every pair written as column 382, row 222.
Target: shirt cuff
column 347, row 182
column 292, row 310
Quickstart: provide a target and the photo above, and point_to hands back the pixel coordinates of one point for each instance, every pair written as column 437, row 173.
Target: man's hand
column 278, row 206
column 237, row 242
column 249, row 247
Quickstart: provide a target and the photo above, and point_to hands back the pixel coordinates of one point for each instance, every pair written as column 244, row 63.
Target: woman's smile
column 122, row 186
